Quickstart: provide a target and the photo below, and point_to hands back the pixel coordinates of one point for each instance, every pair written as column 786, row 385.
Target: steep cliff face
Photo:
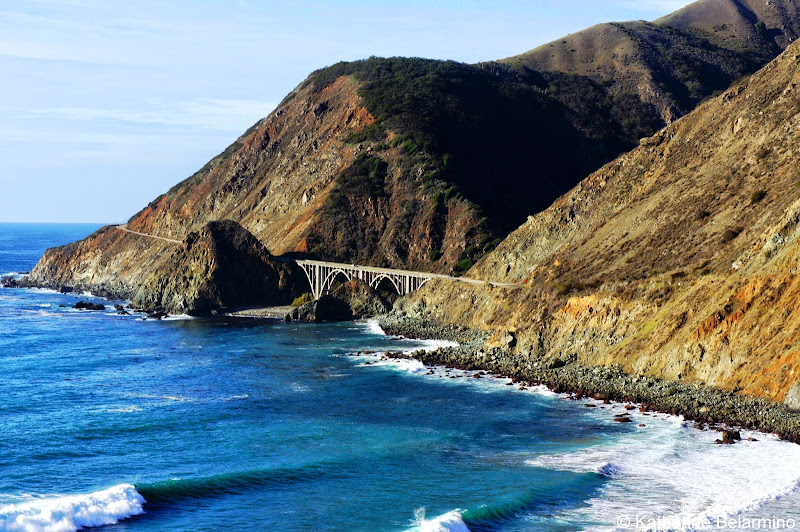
column 679, row 259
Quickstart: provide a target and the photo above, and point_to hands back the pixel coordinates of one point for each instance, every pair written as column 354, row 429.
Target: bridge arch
column 376, row 282
column 331, row 277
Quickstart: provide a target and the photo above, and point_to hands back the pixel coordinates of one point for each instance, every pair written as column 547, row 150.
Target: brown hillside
column 733, row 22
column 679, row 259
column 674, row 62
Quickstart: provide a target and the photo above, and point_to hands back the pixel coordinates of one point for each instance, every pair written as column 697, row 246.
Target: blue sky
column 105, row 104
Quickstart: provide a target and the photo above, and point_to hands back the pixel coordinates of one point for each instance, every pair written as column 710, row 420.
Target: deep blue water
column 241, row 424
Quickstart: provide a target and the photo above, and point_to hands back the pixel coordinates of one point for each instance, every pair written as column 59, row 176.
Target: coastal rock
column 325, row 309
column 349, row 301
column 83, row 305
column 220, row 267
column 364, row 302
column 729, row 437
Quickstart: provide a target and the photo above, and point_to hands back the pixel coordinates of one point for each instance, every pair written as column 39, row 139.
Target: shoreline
column 278, row 312
column 707, row 406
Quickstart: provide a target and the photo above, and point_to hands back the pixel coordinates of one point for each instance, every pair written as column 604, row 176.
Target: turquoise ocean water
column 240, row 424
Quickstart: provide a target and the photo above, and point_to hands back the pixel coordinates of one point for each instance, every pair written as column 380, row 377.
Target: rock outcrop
column 220, row 267
column 349, row 301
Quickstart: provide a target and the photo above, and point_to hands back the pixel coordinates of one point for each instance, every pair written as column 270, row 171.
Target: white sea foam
column 374, row 327
column 73, row 512
column 15, row 275
column 449, row 522
column 177, row 317
column 671, row 471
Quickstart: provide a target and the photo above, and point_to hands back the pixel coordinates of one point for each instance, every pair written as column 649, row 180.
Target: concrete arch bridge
column 321, row 276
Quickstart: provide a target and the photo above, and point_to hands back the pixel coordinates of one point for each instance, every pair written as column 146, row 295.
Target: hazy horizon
column 106, row 107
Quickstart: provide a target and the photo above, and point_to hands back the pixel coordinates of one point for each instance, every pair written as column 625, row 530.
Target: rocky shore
column 705, row 405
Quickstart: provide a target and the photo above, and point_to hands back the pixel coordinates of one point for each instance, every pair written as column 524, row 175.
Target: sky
column 105, row 104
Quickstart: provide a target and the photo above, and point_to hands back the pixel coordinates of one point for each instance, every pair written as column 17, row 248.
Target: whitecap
column 72, row 512
column 449, row 522
column 236, row 397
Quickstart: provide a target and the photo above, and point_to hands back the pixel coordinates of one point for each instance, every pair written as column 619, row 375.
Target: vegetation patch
column 757, row 196
column 299, row 301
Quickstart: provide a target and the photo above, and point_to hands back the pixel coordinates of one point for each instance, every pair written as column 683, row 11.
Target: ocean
column 244, row 424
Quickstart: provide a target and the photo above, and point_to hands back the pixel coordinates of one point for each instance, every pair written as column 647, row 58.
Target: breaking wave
column 449, row 522
column 72, row 512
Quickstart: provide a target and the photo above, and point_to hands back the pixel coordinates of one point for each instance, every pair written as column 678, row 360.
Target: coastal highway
column 124, row 227
column 335, row 265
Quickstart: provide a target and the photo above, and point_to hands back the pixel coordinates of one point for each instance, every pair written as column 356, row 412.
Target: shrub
column 308, row 297
column 757, row 196
column 702, row 214
column 464, row 265
column 563, row 288
column 730, row 234
column 436, row 255
column 373, row 132
column 411, row 146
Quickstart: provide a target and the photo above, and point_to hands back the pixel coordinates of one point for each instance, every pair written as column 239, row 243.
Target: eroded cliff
column 678, row 260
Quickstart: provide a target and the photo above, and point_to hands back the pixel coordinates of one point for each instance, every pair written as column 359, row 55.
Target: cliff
column 677, row 260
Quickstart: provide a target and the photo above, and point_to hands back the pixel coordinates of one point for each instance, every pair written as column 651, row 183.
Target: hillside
column 421, row 164
column 673, row 63
column 678, row 260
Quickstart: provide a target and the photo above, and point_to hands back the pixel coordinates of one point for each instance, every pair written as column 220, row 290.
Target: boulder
column 792, row 398
column 729, row 437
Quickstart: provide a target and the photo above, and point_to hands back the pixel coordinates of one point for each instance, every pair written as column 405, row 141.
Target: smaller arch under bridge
column 322, row 274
